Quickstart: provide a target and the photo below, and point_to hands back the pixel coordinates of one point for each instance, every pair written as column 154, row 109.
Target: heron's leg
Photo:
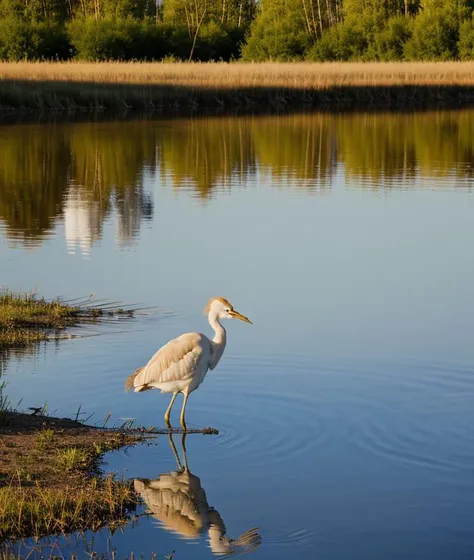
column 182, row 420
column 168, row 410
column 183, row 444
column 176, row 456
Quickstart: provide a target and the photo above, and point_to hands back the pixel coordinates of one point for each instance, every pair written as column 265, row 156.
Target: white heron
column 181, row 365
column 179, row 503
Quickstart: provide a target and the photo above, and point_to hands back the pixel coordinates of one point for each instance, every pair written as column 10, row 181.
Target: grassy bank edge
column 26, row 319
column 75, row 86
column 50, row 477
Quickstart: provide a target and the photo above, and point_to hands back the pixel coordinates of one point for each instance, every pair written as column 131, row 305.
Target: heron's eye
column 228, row 310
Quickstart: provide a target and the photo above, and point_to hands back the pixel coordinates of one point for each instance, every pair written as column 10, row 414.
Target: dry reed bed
column 237, row 75
column 281, row 75
column 73, row 85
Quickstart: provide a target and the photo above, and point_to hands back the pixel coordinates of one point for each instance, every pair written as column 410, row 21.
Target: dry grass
column 37, row 498
column 36, row 511
column 76, row 85
column 310, row 76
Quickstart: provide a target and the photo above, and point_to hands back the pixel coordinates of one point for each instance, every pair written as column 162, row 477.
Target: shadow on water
column 178, row 502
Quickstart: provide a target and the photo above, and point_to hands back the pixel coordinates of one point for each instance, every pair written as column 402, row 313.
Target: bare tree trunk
column 319, row 16
column 223, row 12
column 189, row 22
column 329, row 13
column 196, row 34
column 240, row 12
column 336, row 14
column 308, row 21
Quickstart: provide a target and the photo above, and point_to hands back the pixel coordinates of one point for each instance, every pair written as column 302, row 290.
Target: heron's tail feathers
column 250, row 539
column 129, row 384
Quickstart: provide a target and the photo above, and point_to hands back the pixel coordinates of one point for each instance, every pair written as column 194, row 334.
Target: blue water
column 344, row 412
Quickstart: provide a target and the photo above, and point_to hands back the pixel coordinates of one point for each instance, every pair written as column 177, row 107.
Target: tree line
column 251, row 30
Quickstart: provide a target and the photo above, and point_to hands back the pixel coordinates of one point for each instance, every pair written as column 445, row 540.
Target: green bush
column 466, row 40
column 436, row 32
column 32, row 40
column 216, row 42
column 109, row 39
column 130, row 30
column 390, row 41
column 180, row 43
column 278, row 33
column 115, row 39
column 341, row 42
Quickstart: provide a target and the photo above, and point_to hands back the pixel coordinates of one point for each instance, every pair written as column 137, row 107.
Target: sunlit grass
column 44, row 438
column 21, row 313
column 72, row 458
column 50, row 477
column 35, row 511
column 26, row 319
column 235, row 75
column 69, row 85
column 51, row 481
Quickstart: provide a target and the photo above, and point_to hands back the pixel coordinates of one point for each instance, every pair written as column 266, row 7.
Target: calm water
column 346, row 411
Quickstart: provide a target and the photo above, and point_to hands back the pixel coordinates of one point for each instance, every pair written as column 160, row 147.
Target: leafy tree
column 37, row 10
column 212, row 25
column 355, row 37
column 391, row 39
column 216, row 29
column 20, row 38
column 341, row 42
column 122, row 39
column 466, row 39
column 279, row 32
column 436, row 30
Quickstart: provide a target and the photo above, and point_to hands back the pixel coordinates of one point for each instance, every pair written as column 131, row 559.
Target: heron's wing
column 171, row 501
column 177, row 360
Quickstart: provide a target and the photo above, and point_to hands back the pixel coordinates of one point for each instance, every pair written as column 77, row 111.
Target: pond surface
column 345, row 412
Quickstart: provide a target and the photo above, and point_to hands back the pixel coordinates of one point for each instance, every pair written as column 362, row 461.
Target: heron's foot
column 184, row 426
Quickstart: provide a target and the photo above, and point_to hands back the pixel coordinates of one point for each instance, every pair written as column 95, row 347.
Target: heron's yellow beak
column 236, row 315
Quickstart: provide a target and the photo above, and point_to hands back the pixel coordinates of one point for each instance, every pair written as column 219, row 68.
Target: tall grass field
column 140, row 85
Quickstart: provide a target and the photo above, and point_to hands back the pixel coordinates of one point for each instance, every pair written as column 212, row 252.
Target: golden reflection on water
column 178, row 502
column 81, row 172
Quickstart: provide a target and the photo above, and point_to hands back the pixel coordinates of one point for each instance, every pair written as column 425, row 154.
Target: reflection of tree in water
column 133, row 206
column 86, row 170
column 108, row 162
column 384, row 150
column 34, row 164
column 77, row 170
column 208, row 152
column 301, row 149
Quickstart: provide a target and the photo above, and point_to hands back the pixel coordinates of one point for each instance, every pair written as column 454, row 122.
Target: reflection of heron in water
column 179, row 502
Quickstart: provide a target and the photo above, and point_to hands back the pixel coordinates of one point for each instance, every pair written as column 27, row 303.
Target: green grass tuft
column 72, row 459
column 26, row 510
column 26, row 319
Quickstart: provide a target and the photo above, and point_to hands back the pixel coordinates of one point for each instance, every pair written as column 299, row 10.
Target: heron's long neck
column 219, row 340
